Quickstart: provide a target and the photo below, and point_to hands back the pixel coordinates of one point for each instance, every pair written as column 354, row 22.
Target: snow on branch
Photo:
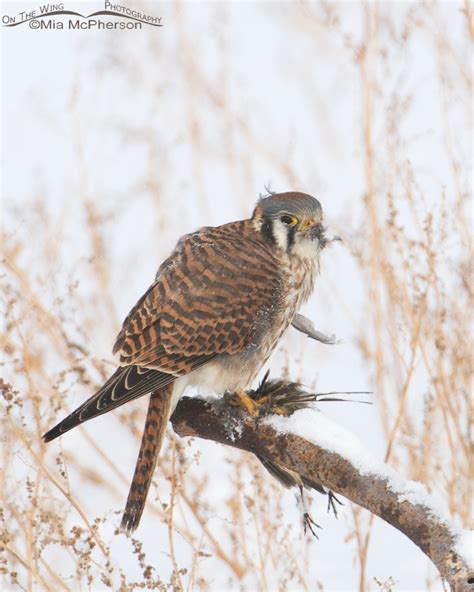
column 320, row 450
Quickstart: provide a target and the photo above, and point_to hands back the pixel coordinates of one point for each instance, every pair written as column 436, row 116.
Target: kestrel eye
column 289, row 220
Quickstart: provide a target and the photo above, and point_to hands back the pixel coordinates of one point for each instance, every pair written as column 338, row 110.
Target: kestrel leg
column 241, row 399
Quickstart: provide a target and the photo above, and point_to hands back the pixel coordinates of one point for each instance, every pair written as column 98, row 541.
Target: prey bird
column 211, row 318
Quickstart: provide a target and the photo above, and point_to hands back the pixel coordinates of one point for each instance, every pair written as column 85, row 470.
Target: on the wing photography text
column 59, row 17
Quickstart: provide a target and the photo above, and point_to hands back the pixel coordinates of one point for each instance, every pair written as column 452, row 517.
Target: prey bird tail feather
column 159, row 411
column 289, row 478
column 127, row 383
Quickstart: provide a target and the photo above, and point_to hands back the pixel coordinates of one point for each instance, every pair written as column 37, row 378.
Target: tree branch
column 312, row 445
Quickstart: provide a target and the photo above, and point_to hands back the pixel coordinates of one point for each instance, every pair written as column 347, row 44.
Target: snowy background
column 117, row 142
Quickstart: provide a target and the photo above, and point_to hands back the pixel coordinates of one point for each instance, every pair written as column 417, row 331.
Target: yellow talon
column 279, row 410
column 257, row 407
column 242, row 399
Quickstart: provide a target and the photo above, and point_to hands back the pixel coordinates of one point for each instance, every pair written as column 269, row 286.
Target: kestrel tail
column 152, row 439
column 211, row 318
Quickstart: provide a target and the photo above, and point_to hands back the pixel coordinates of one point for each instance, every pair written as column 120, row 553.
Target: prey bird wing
column 306, row 326
column 206, row 300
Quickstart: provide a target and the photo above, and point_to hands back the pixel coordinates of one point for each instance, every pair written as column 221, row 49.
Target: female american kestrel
column 217, row 308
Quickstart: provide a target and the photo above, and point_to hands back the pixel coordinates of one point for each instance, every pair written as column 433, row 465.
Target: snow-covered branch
column 315, row 447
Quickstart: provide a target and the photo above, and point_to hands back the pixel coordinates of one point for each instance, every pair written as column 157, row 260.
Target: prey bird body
column 211, row 318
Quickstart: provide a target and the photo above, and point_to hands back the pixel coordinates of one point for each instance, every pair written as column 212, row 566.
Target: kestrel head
column 292, row 221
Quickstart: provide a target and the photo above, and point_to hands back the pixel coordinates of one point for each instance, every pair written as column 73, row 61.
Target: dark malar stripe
column 291, row 237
